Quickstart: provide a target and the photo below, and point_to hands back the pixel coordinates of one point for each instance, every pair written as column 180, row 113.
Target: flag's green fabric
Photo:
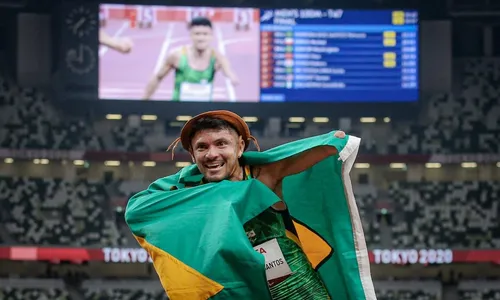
column 196, row 239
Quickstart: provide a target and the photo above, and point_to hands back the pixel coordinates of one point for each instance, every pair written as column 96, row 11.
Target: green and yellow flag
column 199, row 248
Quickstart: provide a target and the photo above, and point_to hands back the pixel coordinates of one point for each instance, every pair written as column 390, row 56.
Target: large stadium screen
column 203, row 54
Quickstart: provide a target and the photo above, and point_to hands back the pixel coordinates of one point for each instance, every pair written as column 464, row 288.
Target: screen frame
column 419, row 65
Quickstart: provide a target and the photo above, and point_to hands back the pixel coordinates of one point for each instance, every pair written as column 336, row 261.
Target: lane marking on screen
column 222, row 50
column 119, row 32
column 164, row 48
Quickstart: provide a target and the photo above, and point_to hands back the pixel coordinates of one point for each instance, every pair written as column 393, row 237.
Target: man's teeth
column 214, row 166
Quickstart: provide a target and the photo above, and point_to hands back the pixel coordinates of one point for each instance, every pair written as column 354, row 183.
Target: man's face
column 216, row 153
column 201, row 36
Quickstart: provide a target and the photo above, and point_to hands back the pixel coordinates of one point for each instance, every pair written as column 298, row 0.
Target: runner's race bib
column 196, row 92
column 276, row 265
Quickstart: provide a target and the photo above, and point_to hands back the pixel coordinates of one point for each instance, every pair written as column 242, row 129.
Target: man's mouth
column 214, row 166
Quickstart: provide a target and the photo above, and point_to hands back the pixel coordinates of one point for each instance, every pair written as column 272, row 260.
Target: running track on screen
column 124, row 76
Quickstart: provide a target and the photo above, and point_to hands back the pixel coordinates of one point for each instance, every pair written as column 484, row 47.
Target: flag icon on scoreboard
column 289, row 34
column 289, row 49
column 288, row 63
column 288, row 55
column 289, row 84
column 289, row 77
column 289, row 70
column 289, row 41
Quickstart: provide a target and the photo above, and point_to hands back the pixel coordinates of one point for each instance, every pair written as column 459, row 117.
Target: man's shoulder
column 175, row 54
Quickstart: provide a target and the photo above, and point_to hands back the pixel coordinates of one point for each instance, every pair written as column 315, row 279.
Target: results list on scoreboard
column 337, row 55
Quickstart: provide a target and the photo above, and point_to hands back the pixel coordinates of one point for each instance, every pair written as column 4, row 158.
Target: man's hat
column 236, row 121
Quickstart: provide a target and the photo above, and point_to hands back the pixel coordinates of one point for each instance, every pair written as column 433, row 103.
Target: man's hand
column 120, row 44
column 340, row 134
column 124, row 45
column 234, row 79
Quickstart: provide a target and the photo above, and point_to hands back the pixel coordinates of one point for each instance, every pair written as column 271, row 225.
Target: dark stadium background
column 427, row 178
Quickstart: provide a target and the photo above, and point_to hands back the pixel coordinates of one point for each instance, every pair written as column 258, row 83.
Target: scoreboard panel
column 309, row 55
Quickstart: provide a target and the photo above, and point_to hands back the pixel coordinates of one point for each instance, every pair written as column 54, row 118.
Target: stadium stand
column 446, row 214
column 125, row 289
column 30, row 122
column 479, row 290
column 33, row 289
column 366, row 196
column 56, row 289
column 463, row 122
column 408, row 290
column 48, row 211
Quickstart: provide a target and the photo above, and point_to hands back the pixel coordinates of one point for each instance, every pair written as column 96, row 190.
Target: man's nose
column 211, row 153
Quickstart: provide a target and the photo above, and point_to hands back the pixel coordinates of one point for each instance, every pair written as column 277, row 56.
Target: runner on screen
column 195, row 66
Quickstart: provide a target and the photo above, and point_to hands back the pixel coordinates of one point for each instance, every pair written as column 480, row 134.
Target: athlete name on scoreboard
column 126, row 255
column 413, row 256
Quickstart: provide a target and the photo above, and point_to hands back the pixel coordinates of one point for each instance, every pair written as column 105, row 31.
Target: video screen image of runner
column 160, row 53
column 203, row 54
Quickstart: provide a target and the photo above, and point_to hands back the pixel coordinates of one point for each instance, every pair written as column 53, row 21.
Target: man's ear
column 241, row 146
column 192, row 156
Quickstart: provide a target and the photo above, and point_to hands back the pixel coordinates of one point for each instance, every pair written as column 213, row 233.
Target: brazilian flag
column 199, row 248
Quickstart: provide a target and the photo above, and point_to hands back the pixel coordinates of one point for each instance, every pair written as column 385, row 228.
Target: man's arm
column 169, row 65
column 272, row 174
column 224, row 64
column 123, row 45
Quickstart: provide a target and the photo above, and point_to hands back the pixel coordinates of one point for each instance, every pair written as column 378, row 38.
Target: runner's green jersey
column 187, row 78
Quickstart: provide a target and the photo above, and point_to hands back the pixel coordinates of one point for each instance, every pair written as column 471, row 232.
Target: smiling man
column 216, row 147
column 249, row 201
